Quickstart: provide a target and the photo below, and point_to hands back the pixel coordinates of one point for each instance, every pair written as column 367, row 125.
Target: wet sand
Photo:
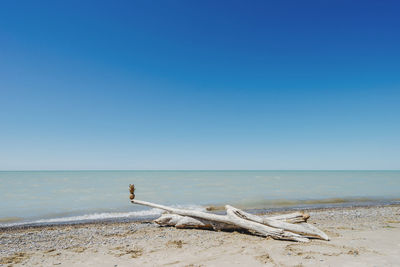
column 362, row 236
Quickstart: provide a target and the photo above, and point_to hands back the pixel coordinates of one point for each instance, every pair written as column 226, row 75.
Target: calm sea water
column 71, row 196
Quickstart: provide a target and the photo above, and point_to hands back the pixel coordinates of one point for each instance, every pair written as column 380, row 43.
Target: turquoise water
column 64, row 196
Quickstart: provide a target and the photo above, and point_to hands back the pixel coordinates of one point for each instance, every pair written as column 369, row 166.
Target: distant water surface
column 71, row 196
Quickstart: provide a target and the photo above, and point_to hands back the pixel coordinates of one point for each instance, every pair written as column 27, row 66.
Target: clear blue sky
column 199, row 85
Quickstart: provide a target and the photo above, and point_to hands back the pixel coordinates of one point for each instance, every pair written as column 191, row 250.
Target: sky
column 203, row 85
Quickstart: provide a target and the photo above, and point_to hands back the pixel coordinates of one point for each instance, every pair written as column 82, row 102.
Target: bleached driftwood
column 291, row 226
column 295, row 217
column 170, row 219
column 302, row 229
column 230, row 218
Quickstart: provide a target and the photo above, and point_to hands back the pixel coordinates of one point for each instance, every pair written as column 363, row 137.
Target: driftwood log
column 291, row 226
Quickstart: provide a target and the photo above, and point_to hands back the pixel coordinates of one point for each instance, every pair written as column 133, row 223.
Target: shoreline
column 216, row 209
column 360, row 236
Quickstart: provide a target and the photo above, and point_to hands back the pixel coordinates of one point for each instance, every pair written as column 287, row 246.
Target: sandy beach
column 362, row 236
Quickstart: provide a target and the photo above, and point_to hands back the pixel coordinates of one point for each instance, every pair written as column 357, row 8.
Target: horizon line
column 26, row 170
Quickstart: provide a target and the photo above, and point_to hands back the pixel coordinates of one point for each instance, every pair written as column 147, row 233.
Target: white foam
column 101, row 216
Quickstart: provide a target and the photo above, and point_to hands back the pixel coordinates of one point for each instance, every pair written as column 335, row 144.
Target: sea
column 63, row 197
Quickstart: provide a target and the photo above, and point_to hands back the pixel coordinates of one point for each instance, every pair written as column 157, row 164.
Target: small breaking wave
column 103, row 216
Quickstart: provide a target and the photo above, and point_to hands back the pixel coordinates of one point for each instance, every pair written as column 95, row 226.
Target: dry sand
column 363, row 236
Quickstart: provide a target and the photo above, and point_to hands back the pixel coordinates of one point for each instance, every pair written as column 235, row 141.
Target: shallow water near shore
column 43, row 197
